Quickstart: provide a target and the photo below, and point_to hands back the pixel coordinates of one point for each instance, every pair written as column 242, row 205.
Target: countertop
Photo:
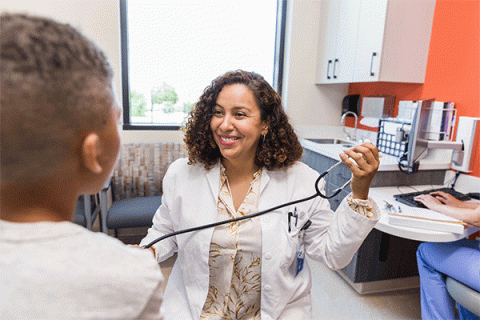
column 436, row 159
column 419, row 234
column 387, row 162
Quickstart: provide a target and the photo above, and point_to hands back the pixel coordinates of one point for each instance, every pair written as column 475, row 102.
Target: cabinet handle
column 334, row 65
column 371, row 64
column 328, row 69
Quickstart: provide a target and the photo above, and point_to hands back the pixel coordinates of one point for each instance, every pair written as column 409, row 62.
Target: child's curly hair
column 280, row 148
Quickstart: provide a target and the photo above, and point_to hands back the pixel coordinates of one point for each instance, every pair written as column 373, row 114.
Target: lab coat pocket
column 296, row 218
column 296, row 265
column 296, row 253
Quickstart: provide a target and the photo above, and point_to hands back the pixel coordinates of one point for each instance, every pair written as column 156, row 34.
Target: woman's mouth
column 228, row 140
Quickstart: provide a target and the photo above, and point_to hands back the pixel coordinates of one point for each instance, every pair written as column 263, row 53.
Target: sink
column 345, row 143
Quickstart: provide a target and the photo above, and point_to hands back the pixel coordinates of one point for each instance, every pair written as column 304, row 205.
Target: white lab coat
column 190, row 196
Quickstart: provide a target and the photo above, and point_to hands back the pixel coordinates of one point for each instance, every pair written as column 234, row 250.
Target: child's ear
column 90, row 152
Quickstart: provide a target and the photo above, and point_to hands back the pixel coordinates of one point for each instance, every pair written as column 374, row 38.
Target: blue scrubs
column 459, row 260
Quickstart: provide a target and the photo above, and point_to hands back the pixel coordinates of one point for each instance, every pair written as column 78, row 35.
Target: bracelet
column 360, row 206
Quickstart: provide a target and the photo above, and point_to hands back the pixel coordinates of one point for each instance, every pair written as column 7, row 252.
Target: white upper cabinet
column 337, row 41
column 374, row 40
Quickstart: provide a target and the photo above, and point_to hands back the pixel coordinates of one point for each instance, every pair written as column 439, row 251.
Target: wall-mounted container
column 378, row 107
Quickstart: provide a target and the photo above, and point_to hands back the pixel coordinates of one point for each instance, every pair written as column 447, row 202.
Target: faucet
column 343, row 122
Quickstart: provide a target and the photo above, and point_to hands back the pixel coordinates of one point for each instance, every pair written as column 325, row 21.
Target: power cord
column 457, row 174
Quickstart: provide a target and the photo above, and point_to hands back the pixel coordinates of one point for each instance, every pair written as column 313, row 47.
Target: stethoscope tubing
column 212, row 225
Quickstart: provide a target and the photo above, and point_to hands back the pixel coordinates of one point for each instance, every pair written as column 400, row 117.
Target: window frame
column 278, row 65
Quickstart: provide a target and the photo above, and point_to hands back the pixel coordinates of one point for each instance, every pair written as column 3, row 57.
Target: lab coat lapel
column 213, row 178
column 264, row 179
column 264, row 201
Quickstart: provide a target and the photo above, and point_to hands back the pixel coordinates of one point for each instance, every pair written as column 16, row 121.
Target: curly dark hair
column 280, row 148
column 55, row 86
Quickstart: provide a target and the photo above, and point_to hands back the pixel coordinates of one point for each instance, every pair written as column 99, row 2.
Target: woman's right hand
column 367, row 161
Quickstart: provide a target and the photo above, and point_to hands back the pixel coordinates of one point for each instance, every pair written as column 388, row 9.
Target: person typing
column 467, row 211
column 459, row 260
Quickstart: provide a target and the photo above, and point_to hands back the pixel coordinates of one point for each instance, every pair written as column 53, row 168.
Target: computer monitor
column 417, row 144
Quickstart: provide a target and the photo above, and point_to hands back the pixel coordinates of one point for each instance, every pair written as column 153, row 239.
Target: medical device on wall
column 428, row 127
column 431, row 127
column 468, row 133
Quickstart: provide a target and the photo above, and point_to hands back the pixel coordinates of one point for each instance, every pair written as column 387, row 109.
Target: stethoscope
column 212, row 225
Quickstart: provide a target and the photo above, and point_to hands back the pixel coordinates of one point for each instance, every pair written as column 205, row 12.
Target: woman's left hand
column 367, row 159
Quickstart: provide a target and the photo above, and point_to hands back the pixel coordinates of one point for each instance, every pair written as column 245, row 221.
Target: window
column 172, row 50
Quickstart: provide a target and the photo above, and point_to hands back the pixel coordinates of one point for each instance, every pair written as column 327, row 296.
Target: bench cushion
column 133, row 212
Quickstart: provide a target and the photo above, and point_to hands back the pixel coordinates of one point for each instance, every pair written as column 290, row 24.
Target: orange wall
column 453, row 72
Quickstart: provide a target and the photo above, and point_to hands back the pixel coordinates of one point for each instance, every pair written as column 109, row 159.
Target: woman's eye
column 216, row 112
column 241, row 114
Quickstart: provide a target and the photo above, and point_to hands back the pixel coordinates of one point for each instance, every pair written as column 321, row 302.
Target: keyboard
column 407, row 198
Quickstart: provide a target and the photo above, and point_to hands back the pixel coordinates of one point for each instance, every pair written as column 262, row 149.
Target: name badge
column 300, row 260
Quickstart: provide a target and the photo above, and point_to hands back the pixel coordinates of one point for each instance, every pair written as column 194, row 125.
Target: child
column 59, row 139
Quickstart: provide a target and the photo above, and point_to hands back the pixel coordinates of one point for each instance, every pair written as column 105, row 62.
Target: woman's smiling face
column 236, row 123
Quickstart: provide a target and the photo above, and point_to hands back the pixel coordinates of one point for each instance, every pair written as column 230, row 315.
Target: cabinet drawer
column 339, row 176
column 317, row 161
column 335, row 201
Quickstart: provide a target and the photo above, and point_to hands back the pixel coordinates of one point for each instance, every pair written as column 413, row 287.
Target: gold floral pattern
column 235, row 258
column 363, row 207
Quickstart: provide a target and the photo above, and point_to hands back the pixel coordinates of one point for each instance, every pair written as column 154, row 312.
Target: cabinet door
column 371, row 29
column 337, row 41
column 330, row 12
column 344, row 61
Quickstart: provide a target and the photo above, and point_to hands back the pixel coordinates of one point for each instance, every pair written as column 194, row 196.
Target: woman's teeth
column 226, row 139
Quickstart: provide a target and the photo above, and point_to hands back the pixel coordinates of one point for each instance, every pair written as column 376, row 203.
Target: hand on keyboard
column 441, row 193
column 429, row 201
column 446, row 198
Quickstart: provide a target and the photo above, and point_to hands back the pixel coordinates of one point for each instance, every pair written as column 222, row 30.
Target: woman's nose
column 226, row 122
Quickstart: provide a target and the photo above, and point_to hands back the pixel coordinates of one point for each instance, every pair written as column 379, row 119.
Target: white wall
column 96, row 19
column 307, row 104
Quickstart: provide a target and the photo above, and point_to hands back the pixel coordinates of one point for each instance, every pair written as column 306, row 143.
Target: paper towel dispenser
column 378, row 107
column 351, row 102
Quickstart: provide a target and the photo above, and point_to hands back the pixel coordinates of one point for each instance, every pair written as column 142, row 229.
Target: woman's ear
column 265, row 130
column 90, row 152
column 265, row 123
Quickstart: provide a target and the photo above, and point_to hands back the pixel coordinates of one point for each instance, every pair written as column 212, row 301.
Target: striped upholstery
column 141, row 168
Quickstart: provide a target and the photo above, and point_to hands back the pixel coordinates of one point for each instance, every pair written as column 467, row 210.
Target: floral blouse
column 235, row 258
column 235, row 255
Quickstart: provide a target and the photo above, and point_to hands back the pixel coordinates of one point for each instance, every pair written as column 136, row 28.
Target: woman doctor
column 243, row 158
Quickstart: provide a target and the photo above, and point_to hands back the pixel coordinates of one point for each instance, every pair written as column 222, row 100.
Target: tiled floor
column 332, row 296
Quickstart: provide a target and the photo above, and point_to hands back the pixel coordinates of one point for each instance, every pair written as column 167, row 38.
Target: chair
column 86, row 211
column 128, row 213
column 464, row 295
column 136, row 185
